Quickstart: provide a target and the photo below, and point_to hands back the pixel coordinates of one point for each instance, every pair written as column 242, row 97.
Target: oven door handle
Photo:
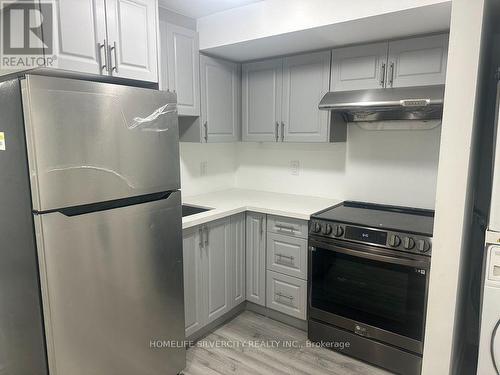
column 377, row 256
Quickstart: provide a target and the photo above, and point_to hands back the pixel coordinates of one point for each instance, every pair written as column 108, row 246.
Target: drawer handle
column 289, row 257
column 289, row 298
column 284, row 227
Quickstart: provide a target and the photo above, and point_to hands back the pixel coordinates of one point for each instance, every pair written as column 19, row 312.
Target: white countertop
column 233, row 201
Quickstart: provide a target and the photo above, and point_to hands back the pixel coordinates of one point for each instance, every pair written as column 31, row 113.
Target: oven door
column 376, row 293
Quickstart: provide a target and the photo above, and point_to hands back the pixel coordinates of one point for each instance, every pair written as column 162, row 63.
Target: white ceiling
column 202, row 8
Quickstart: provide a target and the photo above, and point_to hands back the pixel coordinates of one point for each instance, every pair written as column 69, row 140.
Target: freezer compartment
column 92, row 141
column 112, row 289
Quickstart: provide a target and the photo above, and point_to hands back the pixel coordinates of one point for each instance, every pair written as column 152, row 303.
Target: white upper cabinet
column 80, row 35
column 262, row 85
column 306, row 79
column 220, row 100
column 180, row 67
column 418, row 61
column 132, row 29
column 359, row 67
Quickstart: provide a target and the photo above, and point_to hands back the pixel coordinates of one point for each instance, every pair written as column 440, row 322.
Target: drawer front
column 287, row 226
column 286, row 294
column 287, row 255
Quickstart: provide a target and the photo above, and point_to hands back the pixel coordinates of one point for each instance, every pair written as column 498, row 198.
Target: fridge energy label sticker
column 2, row 141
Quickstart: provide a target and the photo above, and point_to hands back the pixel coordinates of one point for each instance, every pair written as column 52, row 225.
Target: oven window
column 384, row 295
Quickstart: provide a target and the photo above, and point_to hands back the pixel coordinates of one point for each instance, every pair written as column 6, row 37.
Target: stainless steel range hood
column 409, row 103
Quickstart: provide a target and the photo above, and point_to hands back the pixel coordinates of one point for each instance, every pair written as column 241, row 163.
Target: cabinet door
column 132, row 29
column 182, row 66
column 359, row 67
column 418, row 61
column 256, row 258
column 193, row 286
column 217, row 247
column 306, row 79
column 287, row 255
column 262, row 86
column 220, row 118
column 237, row 266
column 80, row 35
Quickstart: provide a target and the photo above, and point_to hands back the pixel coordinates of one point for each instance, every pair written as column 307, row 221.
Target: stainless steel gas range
column 368, row 280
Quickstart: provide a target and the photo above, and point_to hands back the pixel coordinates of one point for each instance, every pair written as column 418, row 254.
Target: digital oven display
column 365, row 235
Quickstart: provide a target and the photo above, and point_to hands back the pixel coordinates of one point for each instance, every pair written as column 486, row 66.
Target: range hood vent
column 408, row 103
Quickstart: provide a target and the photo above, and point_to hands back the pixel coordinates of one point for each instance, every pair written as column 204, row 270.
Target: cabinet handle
column 289, row 298
column 289, row 257
column 104, row 47
column 277, row 131
column 282, row 131
column 115, row 66
column 205, row 125
column 261, row 224
column 382, row 75
column 206, row 236
column 200, row 233
column 391, row 74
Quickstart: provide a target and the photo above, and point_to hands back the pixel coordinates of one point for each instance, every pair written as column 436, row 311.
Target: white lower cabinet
column 213, row 270
column 256, row 258
column 193, row 286
column 286, row 294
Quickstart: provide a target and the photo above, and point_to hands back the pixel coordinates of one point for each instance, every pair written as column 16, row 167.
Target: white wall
column 394, row 167
column 455, row 196
column 221, row 167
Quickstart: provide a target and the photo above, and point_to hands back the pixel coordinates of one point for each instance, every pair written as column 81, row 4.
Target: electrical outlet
column 295, row 167
column 203, row 168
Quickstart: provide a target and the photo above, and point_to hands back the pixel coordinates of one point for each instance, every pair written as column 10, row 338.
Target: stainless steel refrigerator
column 90, row 227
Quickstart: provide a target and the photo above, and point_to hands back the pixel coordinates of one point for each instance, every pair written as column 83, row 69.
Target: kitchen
column 334, row 162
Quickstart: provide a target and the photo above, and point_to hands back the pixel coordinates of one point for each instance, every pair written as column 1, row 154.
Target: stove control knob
column 394, row 240
column 316, row 227
column 423, row 246
column 408, row 243
column 338, row 230
column 327, row 229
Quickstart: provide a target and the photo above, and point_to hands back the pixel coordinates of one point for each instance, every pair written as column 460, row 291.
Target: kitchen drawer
column 287, row 255
column 287, row 225
column 286, row 294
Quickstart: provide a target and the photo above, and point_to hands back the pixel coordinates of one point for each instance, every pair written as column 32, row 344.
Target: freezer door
column 112, row 290
column 92, row 141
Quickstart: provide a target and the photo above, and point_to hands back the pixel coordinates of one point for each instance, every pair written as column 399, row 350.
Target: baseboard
column 276, row 315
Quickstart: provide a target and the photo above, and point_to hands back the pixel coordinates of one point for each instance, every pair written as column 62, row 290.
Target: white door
column 359, row 67
column 132, row 29
column 237, row 265
column 220, row 87
column 306, row 79
column 193, row 286
column 216, row 278
column 256, row 258
column 418, row 61
column 80, row 36
column 262, row 86
column 182, row 66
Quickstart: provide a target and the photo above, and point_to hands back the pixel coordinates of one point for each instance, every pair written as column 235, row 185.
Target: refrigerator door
column 93, row 142
column 112, row 289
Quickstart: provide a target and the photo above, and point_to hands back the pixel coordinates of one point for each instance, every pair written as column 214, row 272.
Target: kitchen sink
column 188, row 210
